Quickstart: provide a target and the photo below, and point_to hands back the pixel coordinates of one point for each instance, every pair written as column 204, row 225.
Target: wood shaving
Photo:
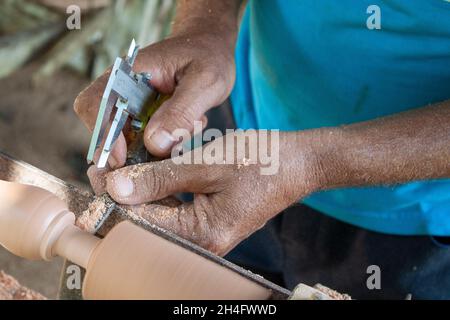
column 332, row 293
column 139, row 170
column 11, row 289
column 92, row 216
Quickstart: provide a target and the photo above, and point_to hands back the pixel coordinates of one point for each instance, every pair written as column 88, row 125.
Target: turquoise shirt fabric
column 314, row 63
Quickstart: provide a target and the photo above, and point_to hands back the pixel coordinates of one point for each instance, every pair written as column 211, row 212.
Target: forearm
column 413, row 145
column 217, row 16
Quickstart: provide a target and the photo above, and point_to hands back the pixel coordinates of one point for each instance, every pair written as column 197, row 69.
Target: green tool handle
column 136, row 151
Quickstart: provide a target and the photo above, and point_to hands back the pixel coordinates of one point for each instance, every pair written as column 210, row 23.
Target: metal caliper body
column 127, row 93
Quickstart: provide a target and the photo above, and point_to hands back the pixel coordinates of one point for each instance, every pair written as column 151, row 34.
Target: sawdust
column 171, row 173
column 10, row 289
column 168, row 202
column 161, row 211
column 139, row 170
column 91, row 217
column 139, row 214
column 332, row 293
column 156, row 214
column 245, row 162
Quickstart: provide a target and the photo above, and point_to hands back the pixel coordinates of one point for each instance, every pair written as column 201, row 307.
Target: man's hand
column 195, row 65
column 196, row 69
column 231, row 201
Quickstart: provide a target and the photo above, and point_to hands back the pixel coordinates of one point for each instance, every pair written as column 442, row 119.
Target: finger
column 118, row 155
column 161, row 68
column 86, row 107
column 178, row 220
column 88, row 101
column 156, row 180
column 204, row 120
column 189, row 221
column 97, row 178
column 170, row 201
column 194, row 95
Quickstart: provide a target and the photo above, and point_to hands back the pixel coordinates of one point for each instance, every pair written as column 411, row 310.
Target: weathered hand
column 195, row 66
column 231, row 201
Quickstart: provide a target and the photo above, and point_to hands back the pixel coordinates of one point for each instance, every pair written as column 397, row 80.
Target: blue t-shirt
column 314, row 63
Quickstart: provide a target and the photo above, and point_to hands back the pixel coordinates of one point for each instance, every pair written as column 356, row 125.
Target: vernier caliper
column 129, row 94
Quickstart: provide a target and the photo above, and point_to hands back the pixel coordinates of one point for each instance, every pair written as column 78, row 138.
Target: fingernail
column 162, row 139
column 123, row 186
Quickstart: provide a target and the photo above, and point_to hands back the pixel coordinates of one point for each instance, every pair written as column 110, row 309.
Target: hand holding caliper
column 128, row 95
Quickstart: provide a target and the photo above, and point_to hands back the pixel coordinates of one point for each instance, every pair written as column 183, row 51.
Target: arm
column 233, row 201
column 206, row 14
column 413, row 145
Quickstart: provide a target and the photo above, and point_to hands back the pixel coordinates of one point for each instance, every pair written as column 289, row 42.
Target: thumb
column 148, row 182
column 193, row 96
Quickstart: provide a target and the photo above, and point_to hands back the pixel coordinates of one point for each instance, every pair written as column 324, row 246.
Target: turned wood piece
column 33, row 224
column 129, row 263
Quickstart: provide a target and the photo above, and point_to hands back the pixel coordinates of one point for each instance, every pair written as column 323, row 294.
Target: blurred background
column 43, row 67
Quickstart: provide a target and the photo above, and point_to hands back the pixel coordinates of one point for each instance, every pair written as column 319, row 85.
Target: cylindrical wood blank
column 131, row 263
